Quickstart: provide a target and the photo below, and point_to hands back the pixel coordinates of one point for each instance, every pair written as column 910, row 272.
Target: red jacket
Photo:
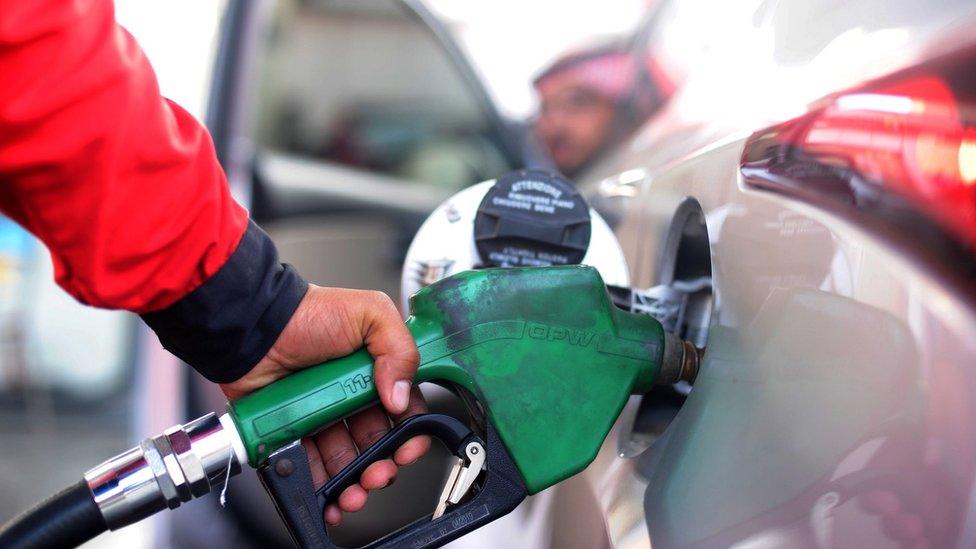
column 124, row 188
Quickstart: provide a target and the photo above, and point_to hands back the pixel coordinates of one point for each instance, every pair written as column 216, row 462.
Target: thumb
column 393, row 350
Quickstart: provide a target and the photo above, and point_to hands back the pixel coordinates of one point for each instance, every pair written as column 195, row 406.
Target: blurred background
column 341, row 124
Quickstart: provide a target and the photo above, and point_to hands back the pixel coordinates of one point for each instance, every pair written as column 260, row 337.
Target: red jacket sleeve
column 124, row 189
column 121, row 185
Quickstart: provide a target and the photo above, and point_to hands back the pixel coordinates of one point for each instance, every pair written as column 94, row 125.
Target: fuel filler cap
column 532, row 218
column 524, row 218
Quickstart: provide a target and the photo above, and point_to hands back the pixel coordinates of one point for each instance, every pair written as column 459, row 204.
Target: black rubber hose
column 66, row 519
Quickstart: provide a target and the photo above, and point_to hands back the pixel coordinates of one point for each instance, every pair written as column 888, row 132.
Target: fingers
column 415, row 448
column 319, row 476
column 333, row 515
column 393, row 349
column 352, row 499
column 336, row 447
column 337, row 450
column 366, row 428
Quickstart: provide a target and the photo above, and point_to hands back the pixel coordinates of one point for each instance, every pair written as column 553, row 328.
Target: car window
column 365, row 84
column 666, row 66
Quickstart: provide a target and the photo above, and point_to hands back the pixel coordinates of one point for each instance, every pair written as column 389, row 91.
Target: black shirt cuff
column 227, row 325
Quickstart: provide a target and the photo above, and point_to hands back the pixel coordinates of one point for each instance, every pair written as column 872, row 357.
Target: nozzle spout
column 681, row 361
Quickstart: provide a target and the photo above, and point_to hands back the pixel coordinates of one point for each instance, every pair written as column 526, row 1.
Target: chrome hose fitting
column 185, row 462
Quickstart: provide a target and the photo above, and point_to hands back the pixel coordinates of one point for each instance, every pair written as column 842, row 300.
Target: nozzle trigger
column 288, row 480
column 462, row 477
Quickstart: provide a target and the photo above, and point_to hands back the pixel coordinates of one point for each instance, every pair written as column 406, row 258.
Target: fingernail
column 401, row 395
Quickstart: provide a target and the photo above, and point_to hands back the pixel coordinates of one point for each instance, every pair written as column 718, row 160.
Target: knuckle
column 314, row 458
column 381, row 299
column 339, row 458
column 402, row 360
column 411, row 355
column 422, row 444
column 369, row 438
column 312, row 453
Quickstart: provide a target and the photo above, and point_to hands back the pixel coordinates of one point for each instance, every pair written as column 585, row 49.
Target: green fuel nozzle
column 551, row 360
column 544, row 351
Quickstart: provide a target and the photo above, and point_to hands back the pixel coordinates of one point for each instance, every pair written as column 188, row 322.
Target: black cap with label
column 532, row 218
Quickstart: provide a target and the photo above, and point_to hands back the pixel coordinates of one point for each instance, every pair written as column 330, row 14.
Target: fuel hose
column 182, row 463
column 66, row 519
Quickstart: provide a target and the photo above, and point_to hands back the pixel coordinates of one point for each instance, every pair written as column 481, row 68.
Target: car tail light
column 897, row 155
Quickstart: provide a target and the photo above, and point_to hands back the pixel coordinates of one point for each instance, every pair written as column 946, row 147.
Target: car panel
column 823, row 341
column 834, row 375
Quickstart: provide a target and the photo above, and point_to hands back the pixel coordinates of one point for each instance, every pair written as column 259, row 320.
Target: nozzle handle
column 314, row 398
column 303, row 403
column 310, row 400
column 543, row 349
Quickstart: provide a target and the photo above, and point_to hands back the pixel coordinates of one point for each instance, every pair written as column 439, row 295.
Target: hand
column 331, row 323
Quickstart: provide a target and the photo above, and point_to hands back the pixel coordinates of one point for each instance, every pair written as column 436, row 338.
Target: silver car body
column 837, row 369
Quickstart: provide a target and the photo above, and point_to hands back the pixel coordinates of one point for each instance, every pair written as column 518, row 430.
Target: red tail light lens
column 898, row 154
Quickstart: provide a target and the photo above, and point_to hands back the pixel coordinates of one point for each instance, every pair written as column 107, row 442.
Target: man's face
column 573, row 123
